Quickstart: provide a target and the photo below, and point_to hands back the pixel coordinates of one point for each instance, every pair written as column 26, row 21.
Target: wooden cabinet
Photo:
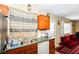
column 4, row 9
column 30, row 49
column 52, row 46
column 47, row 47
column 43, row 22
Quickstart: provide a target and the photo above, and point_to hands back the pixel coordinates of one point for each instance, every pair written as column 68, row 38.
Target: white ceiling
column 69, row 11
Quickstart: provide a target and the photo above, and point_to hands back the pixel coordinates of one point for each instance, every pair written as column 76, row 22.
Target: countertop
column 38, row 40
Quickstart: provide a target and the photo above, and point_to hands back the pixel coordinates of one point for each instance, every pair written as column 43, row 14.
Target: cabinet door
column 30, row 49
column 51, row 43
column 43, row 22
column 52, row 51
column 51, row 46
column 4, row 9
column 14, row 51
column 43, row 48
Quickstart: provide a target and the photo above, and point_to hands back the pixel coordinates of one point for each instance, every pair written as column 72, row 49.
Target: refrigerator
column 3, row 32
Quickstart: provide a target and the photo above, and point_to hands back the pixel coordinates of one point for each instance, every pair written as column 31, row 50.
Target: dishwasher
column 43, row 47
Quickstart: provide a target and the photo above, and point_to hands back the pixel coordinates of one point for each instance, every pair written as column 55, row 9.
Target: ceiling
column 69, row 11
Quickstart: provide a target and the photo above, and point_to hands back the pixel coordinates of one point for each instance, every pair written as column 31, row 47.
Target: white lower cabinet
column 43, row 47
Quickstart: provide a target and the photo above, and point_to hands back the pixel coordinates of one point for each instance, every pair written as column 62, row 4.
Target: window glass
column 67, row 28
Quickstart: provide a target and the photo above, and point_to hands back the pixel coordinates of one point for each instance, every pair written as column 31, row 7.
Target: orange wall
column 4, row 9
